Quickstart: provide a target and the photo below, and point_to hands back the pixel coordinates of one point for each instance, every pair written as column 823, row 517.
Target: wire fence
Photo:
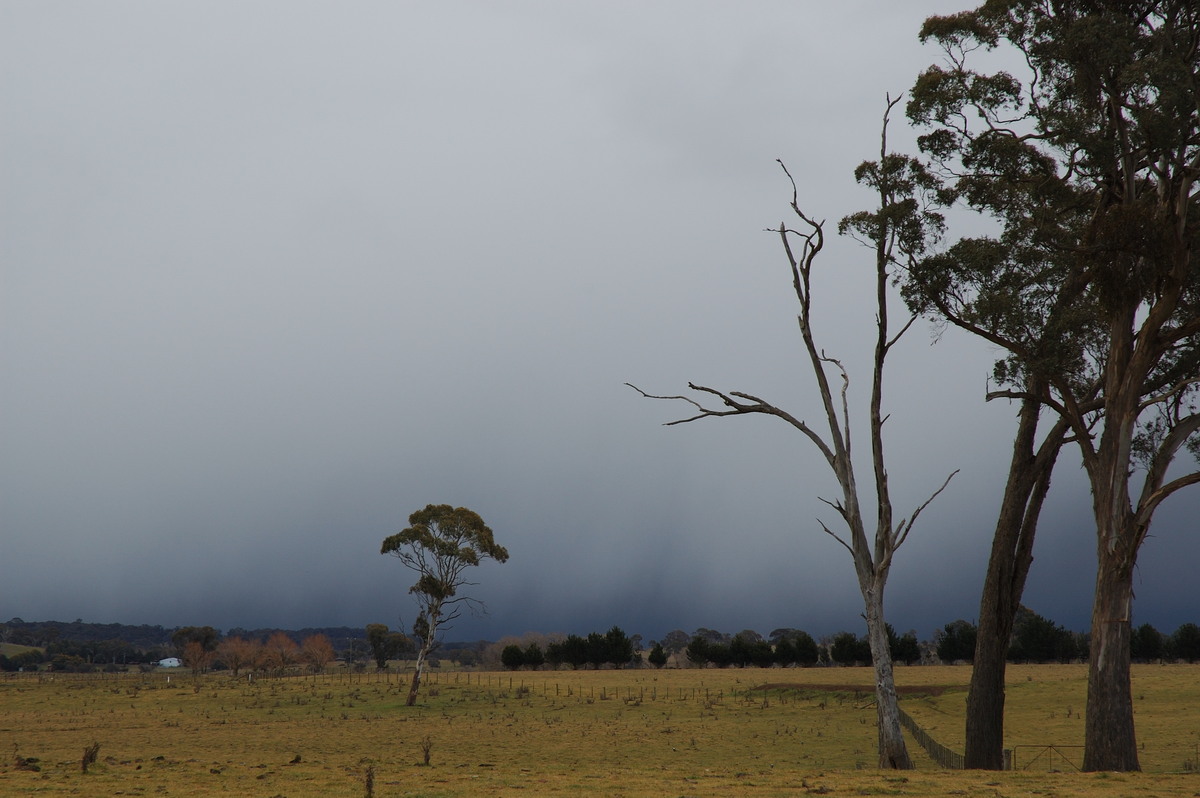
column 1052, row 758
column 939, row 753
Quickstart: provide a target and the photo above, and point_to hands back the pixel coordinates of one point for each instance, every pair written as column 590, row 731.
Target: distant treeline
column 1035, row 639
column 1038, row 639
column 144, row 637
column 78, row 645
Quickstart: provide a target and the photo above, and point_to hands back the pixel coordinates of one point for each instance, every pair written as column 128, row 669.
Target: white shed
column 170, row 662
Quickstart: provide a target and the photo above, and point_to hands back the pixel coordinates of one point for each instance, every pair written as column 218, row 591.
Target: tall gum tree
column 897, row 222
column 439, row 544
column 1087, row 164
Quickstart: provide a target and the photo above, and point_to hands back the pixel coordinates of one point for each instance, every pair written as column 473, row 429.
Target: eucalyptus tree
column 1086, row 161
column 897, row 223
column 439, row 544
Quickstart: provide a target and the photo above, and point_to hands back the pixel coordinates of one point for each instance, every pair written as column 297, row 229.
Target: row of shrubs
column 1038, row 639
column 1035, row 639
column 614, row 648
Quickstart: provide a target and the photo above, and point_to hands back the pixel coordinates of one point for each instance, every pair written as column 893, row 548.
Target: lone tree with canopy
column 440, row 543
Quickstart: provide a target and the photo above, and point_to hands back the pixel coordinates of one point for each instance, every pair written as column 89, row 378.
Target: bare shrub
column 89, row 756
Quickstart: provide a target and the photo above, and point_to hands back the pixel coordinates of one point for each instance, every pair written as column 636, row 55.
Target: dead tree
column 892, row 178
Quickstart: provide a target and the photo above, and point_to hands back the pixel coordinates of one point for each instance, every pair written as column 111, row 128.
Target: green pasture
column 765, row 732
column 12, row 649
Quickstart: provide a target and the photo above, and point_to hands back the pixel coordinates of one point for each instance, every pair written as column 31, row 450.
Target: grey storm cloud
column 277, row 274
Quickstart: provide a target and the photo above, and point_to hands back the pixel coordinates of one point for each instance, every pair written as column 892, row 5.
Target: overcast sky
column 277, row 274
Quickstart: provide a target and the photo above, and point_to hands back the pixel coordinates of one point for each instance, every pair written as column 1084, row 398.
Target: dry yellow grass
column 631, row 733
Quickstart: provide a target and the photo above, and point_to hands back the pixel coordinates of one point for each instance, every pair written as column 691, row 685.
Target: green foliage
column 794, row 647
column 613, row 647
column 386, row 644
column 512, row 657
column 1038, row 639
column 956, row 641
column 533, row 656
column 1085, row 199
column 675, row 641
column 571, row 651
column 1147, row 644
column 618, row 648
column 698, row 651
column 28, row 660
column 1185, row 643
column 748, row 648
column 206, row 636
column 847, row 649
column 658, row 656
column 906, row 648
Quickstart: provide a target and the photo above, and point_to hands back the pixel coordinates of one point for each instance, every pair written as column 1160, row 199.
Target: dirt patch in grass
column 862, row 689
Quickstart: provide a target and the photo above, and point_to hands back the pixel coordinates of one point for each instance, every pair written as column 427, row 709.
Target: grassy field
column 12, row 649
column 610, row 733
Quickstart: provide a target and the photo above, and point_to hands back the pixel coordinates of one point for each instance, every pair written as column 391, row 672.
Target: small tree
column 206, row 636
column 848, row 649
column 385, row 644
column 618, row 647
column 196, row 657
column 1147, row 644
column 794, row 647
column 904, row 648
column 512, row 657
column 196, row 646
column 534, row 657
column 279, row 653
column 698, row 651
column 1039, row 639
column 236, row 653
column 317, row 652
column 440, row 543
column 675, row 641
column 1185, row 643
column 658, row 656
column 956, row 641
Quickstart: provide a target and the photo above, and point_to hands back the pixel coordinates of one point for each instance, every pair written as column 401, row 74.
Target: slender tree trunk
column 893, row 753
column 1011, row 557
column 1110, row 743
column 417, row 674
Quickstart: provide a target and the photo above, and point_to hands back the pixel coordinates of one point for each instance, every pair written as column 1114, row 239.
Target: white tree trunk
column 893, row 753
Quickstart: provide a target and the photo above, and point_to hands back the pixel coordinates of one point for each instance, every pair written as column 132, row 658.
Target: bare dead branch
column 837, row 505
column 845, row 401
column 742, row 408
column 901, row 533
column 911, row 320
column 834, row 535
